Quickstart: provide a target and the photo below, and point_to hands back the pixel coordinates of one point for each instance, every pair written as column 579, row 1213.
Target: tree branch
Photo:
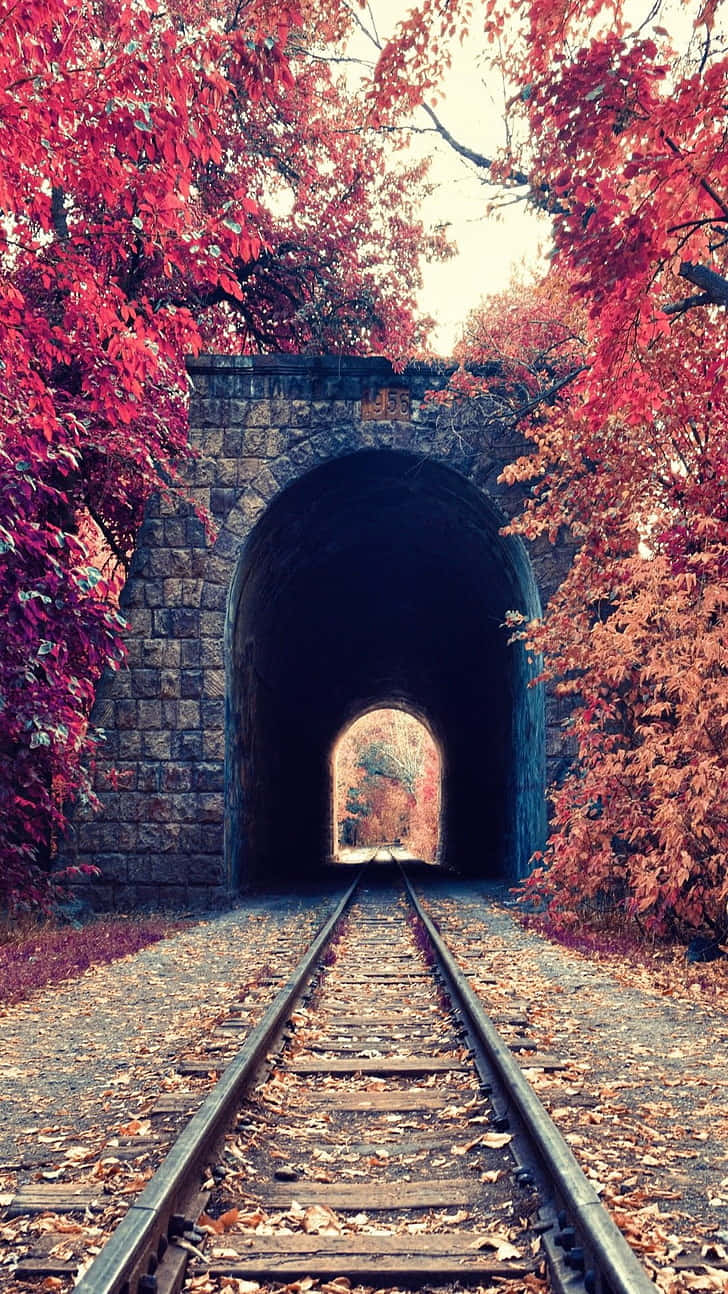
column 549, row 393
column 478, row 159
column 688, row 303
column 713, row 286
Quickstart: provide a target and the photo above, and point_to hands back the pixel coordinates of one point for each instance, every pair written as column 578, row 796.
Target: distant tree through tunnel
column 385, row 782
column 380, row 579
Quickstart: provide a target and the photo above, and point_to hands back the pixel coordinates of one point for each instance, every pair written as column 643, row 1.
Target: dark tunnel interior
column 380, row 579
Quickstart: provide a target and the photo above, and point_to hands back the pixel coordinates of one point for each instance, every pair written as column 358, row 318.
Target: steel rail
column 618, row 1265
column 126, row 1253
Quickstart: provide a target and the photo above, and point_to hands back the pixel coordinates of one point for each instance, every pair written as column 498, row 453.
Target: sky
column 490, row 246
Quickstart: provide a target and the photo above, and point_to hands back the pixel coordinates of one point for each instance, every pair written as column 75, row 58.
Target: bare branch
column 478, row 159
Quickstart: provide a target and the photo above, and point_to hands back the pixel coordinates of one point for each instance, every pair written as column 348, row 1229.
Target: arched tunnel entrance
column 380, row 578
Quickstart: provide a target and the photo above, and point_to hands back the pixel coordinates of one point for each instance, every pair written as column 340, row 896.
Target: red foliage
column 624, row 149
column 172, row 177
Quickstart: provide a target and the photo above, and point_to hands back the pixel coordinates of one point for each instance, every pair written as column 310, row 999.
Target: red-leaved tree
column 174, row 175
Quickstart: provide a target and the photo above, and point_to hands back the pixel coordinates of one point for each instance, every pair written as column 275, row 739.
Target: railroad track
column 373, row 1127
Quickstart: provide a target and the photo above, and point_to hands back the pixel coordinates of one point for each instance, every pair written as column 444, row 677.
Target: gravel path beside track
column 644, row 1100
column 82, row 1056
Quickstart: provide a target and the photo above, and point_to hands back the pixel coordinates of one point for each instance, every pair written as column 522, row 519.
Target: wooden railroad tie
column 364, row 1258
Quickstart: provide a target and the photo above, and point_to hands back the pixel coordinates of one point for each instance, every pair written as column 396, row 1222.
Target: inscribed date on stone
column 389, row 403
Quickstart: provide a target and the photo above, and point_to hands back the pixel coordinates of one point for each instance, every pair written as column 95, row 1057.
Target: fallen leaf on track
column 320, row 1220
column 495, row 1139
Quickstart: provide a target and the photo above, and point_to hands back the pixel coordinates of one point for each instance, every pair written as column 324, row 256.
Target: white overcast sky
column 490, row 247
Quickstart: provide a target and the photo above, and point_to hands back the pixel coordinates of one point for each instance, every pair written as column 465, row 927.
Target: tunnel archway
column 380, row 578
column 386, row 785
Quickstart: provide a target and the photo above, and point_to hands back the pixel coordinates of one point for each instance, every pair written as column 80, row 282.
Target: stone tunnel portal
column 380, row 578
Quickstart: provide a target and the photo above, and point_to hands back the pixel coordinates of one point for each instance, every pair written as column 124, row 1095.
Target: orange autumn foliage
column 617, row 133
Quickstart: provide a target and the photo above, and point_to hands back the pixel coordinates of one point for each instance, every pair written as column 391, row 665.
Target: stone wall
column 260, row 424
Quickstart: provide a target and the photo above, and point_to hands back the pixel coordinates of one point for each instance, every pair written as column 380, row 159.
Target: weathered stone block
column 182, row 593
column 149, row 714
column 300, row 416
column 177, row 777
column 211, row 653
column 213, row 744
column 208, row 777
column 198, row 559
column 188, row 714
column 131, row 596
column 140, row 620
column 154, row 593
column 175, row 532
column 149, row 775
column 126, row 714
column 128, row 744
column 209, row 807
column 156, row 745
column 233, row 441
column 252, row 506
column 145, row 683
column 186, row 745
column 122, row 777
column 176, row 622
column 258, row 414
column 170, row 713
column 169, row 683
column 195, row 533
column 212, row 624
column 213, row 683
column 107, row 837
column 151, row 535
column 254, row 440
column 190, row 653
column 205, row 870
column 212, row 714
column 118, row 685
column 172, row 563
column 228, row 543
column 157, row 838
column 266, row 485
column 280, row 410
column 214, row 597
column 114, row 867
column 191, row 684
column 174, row 898
column 191, row 838
column 248, row 468
column 226, row 473
column 219, row 570
column 284, row 471
column 208, row 440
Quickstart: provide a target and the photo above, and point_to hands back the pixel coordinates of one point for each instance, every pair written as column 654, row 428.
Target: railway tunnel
column 380, row 578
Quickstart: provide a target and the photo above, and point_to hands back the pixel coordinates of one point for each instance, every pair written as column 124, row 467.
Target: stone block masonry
column 181, row 725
